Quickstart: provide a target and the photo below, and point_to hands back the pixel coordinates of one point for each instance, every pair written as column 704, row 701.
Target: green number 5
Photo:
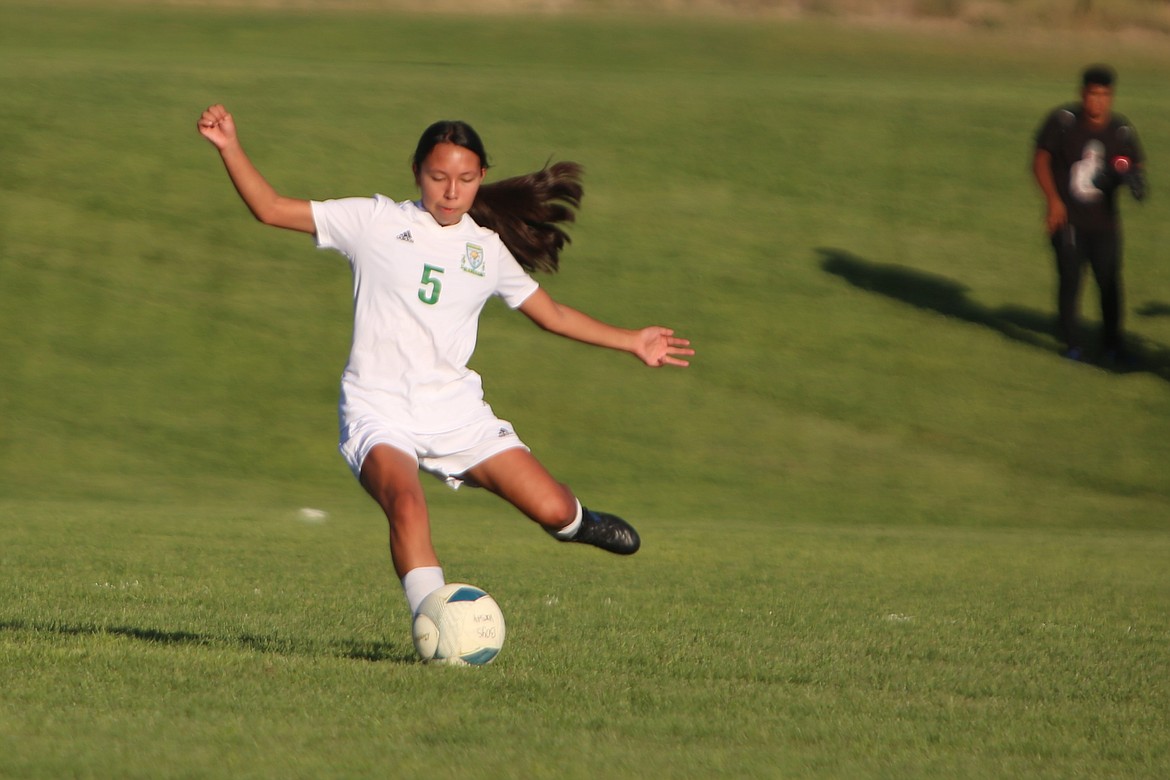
column 432, row 286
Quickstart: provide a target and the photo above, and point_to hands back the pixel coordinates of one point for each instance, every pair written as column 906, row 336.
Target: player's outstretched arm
column 266, row 204
column 654, row 346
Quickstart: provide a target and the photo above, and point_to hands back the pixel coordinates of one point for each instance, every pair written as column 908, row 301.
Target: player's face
column 1097, row 102
column 448, row 180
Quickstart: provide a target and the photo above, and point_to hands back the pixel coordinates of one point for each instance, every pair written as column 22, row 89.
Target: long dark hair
column 526, row 211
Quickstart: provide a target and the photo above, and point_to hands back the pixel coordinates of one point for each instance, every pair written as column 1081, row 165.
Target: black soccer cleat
column 609, row 532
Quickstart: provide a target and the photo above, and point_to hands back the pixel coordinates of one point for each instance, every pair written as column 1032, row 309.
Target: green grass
column 888, row 532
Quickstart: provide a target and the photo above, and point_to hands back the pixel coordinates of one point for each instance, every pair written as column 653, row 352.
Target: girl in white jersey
column 423, row 271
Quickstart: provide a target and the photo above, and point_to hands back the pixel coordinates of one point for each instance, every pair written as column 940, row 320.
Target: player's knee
column 557, row 508
column 403, row 508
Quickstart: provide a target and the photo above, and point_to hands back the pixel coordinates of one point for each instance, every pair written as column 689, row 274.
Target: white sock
column 420, row 583
column 570, row 530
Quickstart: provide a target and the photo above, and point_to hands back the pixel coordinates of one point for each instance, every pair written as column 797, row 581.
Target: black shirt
column 1080, row 157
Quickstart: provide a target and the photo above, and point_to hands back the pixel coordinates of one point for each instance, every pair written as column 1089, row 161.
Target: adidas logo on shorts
column 405, row 236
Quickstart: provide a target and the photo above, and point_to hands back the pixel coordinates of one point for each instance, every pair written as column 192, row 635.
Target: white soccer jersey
column 418, row 292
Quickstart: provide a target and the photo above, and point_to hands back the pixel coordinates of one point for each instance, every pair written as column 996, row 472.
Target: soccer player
column 1084, row 154
column 422, row 272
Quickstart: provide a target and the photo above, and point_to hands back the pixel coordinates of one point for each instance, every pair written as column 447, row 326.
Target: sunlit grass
column 888, row 532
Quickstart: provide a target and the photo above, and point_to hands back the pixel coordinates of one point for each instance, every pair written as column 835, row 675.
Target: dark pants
column 1102, row 251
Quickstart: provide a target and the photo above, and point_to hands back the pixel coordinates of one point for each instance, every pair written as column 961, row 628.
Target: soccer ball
column 458, row 625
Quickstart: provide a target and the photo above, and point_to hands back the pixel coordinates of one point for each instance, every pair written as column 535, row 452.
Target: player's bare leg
column 391, row 478
column 520, row 479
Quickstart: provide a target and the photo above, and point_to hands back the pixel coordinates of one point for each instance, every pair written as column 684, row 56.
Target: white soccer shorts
column 446, row 455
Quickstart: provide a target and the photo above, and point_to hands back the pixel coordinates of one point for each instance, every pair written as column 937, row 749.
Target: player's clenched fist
column 217, row 126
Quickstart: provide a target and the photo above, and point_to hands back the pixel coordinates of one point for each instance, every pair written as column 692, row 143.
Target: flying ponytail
column 528, row 212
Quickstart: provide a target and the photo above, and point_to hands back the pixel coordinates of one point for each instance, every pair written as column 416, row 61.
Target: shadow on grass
column 1154, row 309
column 949, row 297
column 353, row 650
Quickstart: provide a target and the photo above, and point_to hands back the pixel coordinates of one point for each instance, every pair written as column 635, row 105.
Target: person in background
column 1084, row 156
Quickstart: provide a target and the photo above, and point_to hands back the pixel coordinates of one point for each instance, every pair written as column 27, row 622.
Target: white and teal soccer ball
column 459, row 625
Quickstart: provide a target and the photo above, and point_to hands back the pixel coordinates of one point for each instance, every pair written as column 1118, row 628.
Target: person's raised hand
column 217, row 126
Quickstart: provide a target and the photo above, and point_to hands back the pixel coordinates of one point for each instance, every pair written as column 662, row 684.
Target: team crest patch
column 473, row 260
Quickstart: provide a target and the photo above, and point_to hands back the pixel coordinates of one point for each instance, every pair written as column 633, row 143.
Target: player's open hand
column 217, row 126
column 657, row 346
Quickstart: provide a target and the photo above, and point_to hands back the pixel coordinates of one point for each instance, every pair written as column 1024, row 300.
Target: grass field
column 888, row 532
